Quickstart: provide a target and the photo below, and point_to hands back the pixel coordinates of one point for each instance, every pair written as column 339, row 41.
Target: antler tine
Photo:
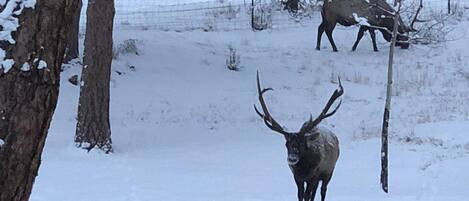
column 337, row 93
column 268, row 119
column 311, row 124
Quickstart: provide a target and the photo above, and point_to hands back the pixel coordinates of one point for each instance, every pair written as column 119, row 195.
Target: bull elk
column 369, row 14
column 312, row 151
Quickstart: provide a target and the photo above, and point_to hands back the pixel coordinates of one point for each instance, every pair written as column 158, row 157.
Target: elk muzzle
column 293, row 159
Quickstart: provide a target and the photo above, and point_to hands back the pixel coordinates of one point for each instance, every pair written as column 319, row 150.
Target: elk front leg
column 361, row 32
column 373, row 39
column 312, row 186
column 300, row 184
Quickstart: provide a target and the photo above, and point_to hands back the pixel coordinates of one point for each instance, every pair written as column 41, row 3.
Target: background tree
column 93, row 127
column 32, row 51
column 387, row 107
column 73, row 35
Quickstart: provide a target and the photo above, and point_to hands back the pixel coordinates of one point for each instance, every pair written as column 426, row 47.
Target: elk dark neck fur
column 307, row 164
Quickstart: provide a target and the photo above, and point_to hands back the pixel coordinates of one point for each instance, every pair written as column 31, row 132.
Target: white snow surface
column 451, row 133
column 184, row 127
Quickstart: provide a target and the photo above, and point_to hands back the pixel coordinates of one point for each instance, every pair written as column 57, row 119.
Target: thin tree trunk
column 253, row 26
column 73, row 46
column 449, row 7
column 93, row 127
column 387, row 108
column 29, row 90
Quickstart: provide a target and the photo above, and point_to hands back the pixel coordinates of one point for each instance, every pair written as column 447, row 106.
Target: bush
column 233, row 60
column 129, row 46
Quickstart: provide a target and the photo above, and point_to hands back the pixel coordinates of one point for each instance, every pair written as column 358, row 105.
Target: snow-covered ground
column 184, row 127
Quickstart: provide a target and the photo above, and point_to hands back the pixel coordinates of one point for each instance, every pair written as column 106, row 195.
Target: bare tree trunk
column 73, row 46
column 93, row 127
column 29, row 89
column 387, row 108
column 253, row 25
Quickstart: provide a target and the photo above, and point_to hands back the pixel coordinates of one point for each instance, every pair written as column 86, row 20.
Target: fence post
column 449, row 7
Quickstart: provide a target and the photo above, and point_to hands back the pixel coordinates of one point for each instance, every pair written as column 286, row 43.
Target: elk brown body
column 369, row 14
column 312, row 152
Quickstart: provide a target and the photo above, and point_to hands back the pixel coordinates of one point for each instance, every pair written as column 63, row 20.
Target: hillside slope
column 184, row 126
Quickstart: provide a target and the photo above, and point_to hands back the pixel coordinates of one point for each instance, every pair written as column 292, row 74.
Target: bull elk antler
column 268, row 119
column 312, row 124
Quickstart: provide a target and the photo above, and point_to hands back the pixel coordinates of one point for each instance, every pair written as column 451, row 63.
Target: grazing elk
column 370, row 14
column 386, row 35
column 312, row 151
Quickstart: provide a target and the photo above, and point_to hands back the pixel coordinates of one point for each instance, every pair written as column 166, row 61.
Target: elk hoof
column 335, row 50
column 405, row 46
column 376, row 50
column 318, row 48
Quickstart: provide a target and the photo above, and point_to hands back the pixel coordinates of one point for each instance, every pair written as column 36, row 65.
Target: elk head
column 386, row 20
column 296, row 142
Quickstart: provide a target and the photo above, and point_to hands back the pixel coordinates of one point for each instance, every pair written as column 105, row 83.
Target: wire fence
column 221, row 15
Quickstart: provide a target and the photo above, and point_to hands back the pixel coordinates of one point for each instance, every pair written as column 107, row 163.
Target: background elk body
column 370, row 15
column 312, row 151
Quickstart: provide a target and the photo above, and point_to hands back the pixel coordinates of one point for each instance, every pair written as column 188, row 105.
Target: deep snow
column 184, row 127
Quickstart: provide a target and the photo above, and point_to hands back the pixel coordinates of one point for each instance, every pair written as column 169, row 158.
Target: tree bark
column 29, row 91
column 93, row 127
column 73, row 46
column 387, row 107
